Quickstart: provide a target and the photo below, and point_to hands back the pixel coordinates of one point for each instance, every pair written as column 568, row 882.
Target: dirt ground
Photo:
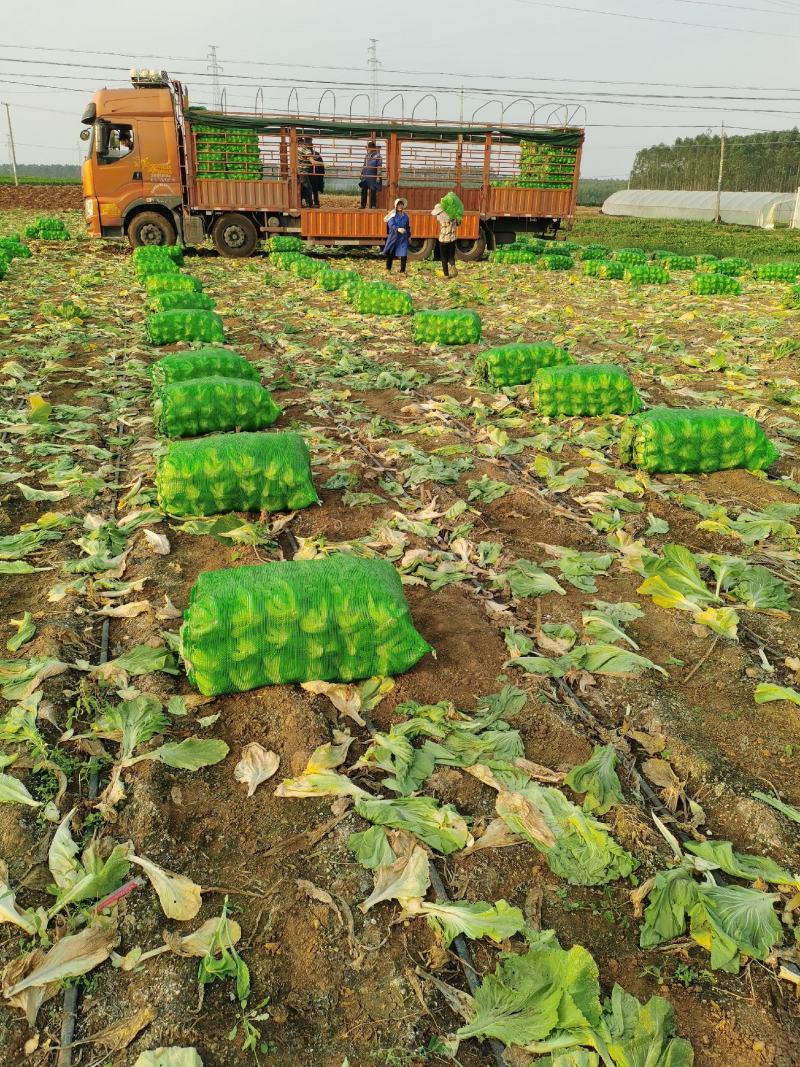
column 336, row 993
column 41, row 197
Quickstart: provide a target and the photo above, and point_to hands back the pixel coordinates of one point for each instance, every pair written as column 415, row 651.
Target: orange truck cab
column 158, row 171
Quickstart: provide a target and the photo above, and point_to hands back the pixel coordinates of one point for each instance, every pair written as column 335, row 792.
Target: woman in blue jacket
column 398, row 234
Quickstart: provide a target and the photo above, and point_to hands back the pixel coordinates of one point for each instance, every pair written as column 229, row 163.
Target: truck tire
column 151, row 228
column 471, row 250
column 421, row 248
column 235, row 235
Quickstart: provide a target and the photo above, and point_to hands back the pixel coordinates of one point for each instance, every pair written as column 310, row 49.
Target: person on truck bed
column 371, row 175
column 398, row 234
column 317, row 175
column 447, row 241
column 305, row 167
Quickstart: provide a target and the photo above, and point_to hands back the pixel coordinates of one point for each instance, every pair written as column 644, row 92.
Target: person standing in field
column 371, row 176
column 447, row 241
column 398, row 234
column 317, row 175
column 305, row 167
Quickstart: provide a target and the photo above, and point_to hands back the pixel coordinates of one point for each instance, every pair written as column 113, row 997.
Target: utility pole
column 718, row 216
column 461, row 105
column 372, row 67
column 11, row 150
column 214, row 70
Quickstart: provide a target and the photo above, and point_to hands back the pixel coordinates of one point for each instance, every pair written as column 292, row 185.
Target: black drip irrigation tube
column 69, row 1008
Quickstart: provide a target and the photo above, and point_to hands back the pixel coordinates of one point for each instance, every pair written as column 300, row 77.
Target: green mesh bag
column 704, row 257
column 791, row 298
column 203, row 363
column 712, row 284
column 333, row 279
column 610, row 269
column 733, row 266
column 555, row 262
column 370, row 300
column 447, row 327
column 777, row 272
column 659, row 254
column 674, row 262
column 285, row 243
column 148, row 253
column 514, row 255
column 48, row 229
column 284, row 260
column 353, row 288
column 212, row 405
column 172, row 282
column 339, row 618
column 646, row 274
column 148, row 268
column 517, row 364
column 13, row 248
column 3, row 266
column 589, row 252
column 452, row 207
column 629, row 257
column 166, row 327
column 583, row 389
column 677, row 440
column 306, row 267
column 180, row 301
column 235, row 472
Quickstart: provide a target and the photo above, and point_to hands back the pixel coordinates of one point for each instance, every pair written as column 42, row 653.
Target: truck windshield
column 112, row 141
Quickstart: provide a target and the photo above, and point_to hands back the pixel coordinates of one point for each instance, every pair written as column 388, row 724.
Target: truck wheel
column 235, row 236
column 150, row 228
column 471, row 250
column 422, row 248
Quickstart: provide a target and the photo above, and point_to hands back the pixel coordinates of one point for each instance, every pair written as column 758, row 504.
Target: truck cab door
column 118, row 172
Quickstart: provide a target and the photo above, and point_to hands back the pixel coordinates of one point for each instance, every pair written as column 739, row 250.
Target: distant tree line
column 768, row 162
column 592, row 192
column 65, row 171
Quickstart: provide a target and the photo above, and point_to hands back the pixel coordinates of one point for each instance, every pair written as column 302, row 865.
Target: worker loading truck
column 159, row 172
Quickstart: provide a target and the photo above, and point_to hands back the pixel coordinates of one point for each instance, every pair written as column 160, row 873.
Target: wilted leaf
column 126, row 611
column 25, row 628
column 158, row 542
column 175, row 1056
column 256, row 766
column 180, row 896
column 404, row 880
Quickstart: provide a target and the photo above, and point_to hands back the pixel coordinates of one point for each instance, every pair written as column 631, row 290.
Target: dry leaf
column 117, row 1036
column 496, row 835
column 169, row 611
column 158, row 542
column 345, row 698
column 537, row 771
column 256, row 766
column 661, row 774
column 180, row 896
column 31, row 1045
column 125, row 611
column 526, row 815
column 651, row 743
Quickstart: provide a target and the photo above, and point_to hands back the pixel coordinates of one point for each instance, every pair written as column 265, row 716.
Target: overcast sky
column 605, row 54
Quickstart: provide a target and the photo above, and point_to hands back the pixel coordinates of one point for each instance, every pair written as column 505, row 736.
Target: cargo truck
column 158, row 171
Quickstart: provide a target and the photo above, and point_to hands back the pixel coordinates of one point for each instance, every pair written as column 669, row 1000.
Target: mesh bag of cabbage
column 675, row 262
column 333, row 619
column 165, row 327
column 12, row 247
column 180, row 301
column 285, row 243
column 609, row 268
column 777, row 272
column 675, row 440
column 212, row 405
column 515, row 255
column 148, row 268
column 447, row 327
column 306, row 267
column 646, row 274
column 791, row 298
column 629, row 256
column 166, row 281
column 452, row 207
column 555, row 262
column 235, row 472
column 378, row 300
column 712, row 284
column 203, row 363
column 146, row 253
column 333, row 279
column 588, row 252
column 284, row 260
column 516, row 364
column 601, row 389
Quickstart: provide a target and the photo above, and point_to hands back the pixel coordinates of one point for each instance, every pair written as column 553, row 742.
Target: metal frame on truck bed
column 158, row 171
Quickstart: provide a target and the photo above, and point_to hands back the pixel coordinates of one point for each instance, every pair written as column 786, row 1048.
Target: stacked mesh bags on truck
column 517, row 364
column 339, row 618
column 689, row 440
column 447, row 327
column 581, row 389
column 227, row 154
column 235, row 472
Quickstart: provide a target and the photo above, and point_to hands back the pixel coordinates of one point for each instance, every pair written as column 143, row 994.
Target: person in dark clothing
column 305, row 164
column 317, row 175
column 398, row 234
column 371, row 176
